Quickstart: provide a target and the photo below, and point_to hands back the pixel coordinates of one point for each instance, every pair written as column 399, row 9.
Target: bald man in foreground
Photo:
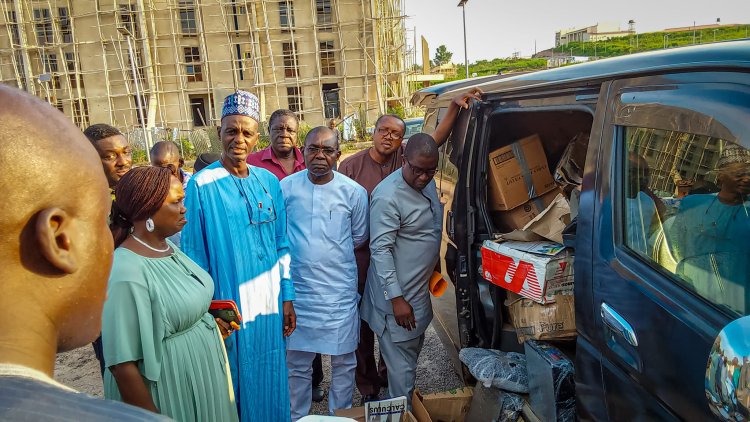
column 55, row 257
column 406, row 221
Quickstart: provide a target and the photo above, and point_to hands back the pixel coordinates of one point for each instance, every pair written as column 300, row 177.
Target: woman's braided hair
column 138, row 195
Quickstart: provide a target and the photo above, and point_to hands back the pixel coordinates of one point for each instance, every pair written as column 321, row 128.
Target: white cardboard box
column 535, row 270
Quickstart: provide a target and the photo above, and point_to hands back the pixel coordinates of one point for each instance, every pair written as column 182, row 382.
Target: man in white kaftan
column 327, row 219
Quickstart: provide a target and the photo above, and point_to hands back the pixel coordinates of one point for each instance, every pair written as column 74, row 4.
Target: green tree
column 442, row 56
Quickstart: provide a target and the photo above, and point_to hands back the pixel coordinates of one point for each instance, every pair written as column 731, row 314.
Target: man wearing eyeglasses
column 237, row 232
column 368, row 168
column 327, row 219
column 283, row 158
column 406, row 221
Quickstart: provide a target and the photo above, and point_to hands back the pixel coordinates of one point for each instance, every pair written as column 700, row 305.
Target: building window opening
column 331, row 103
column 294, row 97
column 327, row 59
column 286, row 15
column 187, row 17
column 193, row 66
column 290, row 59
column 43, row 26
column 324, row 15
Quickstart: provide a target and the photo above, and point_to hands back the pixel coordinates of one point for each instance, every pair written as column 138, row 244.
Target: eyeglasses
column 390, row 133
column 314, row 150
column 420, row 171
column 266, row 214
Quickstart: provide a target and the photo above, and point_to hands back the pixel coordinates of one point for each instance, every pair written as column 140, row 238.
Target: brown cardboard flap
column 542, row 322
column 552, row 221
column 356, row 413
column 409, row 417
column 522, row 215
column 417, row 408
column 449, row 406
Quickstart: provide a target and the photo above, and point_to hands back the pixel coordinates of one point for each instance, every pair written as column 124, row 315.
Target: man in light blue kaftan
column 327, row 219
column 236, row 231
column 709, row 235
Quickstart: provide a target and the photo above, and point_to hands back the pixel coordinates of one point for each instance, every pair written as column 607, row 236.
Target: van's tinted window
column 686, row 210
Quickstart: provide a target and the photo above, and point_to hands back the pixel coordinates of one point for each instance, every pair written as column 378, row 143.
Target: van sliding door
column 671, row 258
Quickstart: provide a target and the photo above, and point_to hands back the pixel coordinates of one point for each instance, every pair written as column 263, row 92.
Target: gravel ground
column 79, row 369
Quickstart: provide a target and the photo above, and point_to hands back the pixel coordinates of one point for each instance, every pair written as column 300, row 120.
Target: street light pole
column 139, row 104
column 462, row 5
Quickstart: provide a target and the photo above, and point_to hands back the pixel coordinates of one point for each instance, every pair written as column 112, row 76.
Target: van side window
column 686, row 211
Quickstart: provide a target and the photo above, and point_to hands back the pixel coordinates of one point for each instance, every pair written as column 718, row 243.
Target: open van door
column 455, row 247
column 670, row 255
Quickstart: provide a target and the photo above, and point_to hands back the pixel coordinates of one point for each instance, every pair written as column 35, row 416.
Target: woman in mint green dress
column 163, row 350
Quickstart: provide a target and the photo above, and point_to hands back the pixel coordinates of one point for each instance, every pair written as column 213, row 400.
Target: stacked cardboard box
column 529, row 259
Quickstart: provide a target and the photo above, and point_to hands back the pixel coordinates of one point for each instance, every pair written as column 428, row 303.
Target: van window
column 685, row 210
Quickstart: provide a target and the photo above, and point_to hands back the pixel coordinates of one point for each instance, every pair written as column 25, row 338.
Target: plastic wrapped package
column 506, row 371
column 511, row 405
column 551, row 382
column 493, row 404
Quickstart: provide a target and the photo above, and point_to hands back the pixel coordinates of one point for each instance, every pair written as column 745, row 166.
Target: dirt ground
column 79, row 369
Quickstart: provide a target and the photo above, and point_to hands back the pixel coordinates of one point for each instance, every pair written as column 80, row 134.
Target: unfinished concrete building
column 90, row 59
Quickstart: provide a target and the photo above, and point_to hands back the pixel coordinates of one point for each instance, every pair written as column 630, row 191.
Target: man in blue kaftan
column 236, row 231
column 327, row 220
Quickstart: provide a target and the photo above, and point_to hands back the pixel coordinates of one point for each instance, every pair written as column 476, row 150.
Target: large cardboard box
column 542, row 322
column 448, row 406
column 535, row 270
column 518, row 172
column 518, row 217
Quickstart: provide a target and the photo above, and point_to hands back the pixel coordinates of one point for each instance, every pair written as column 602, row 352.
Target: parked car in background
column 413, row 126
column 662, row 260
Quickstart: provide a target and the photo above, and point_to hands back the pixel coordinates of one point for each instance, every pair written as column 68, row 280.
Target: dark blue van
column 662, row 233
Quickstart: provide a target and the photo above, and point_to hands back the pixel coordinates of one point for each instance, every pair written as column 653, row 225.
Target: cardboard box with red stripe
column 535, row 270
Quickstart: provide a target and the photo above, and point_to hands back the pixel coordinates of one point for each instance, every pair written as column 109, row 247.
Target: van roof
column 728, row 54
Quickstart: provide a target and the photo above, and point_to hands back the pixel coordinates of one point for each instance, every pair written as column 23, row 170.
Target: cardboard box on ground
column 446, row 406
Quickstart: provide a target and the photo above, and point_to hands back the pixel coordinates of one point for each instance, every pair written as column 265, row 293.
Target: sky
column 498, row 28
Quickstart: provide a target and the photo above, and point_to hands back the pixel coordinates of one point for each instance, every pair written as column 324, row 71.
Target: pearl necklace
column 149, row 246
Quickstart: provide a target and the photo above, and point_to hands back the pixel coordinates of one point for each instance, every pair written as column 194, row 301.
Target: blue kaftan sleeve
column 193, row 242
column 282, row 242
column 385, row 220
column 360, row 214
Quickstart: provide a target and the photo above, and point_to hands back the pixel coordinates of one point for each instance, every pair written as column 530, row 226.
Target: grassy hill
column 653, row 41
column 613, row 47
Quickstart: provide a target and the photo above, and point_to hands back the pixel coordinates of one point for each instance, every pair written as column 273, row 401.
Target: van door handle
column 618, row 324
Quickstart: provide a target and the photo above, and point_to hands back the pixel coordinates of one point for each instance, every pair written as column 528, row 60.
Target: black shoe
column 369, row 397
column 317, row 394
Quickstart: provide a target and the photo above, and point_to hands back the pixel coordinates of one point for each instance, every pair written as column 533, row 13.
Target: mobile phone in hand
column 226, row 310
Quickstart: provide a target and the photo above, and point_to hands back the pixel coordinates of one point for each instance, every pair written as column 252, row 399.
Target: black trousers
column 317, row 367
column 99, row 352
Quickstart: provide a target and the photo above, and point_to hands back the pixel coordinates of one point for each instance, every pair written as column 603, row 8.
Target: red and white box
column 535, row 270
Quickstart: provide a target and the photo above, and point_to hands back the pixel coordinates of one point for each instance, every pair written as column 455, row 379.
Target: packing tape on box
column 526, row 173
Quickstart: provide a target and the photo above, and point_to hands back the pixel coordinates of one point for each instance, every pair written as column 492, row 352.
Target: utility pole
column 462, row 5
column 693, row 32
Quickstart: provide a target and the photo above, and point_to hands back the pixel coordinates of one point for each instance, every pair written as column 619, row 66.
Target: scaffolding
column 320, row 58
